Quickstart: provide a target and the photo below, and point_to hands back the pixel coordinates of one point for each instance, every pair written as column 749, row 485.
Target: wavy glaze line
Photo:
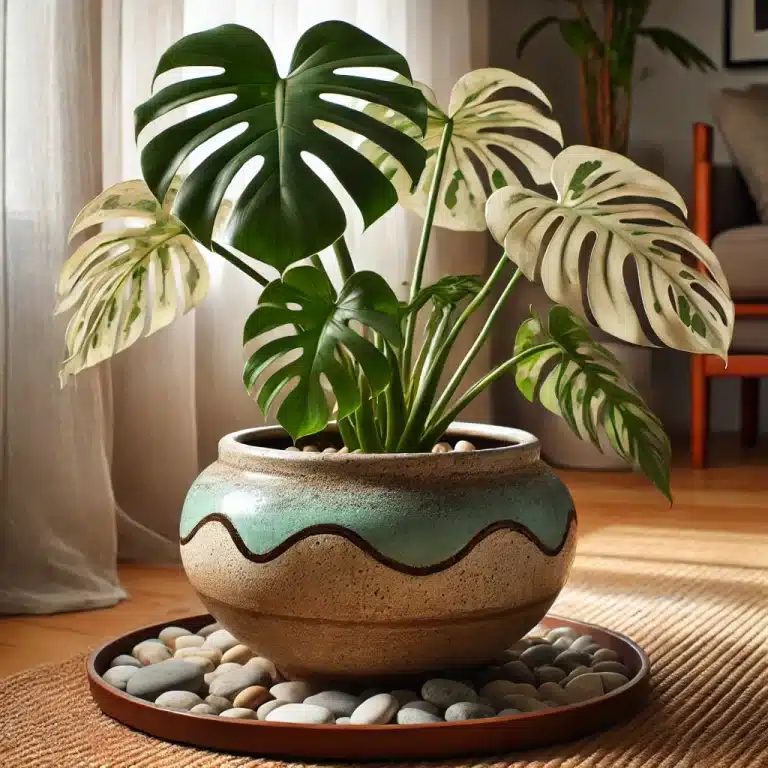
column 331, row 529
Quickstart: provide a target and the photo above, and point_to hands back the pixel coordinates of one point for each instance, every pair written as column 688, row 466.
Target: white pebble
column 344, row 450
column 442, row 692
column 424, row 706
column 218, row 703
column 293, row 692
column 188, row 641
column 378, row 710
column 228, row 667
column 203, row 709
column 178, row 700
column 151, row 652
column 463, row 446
column 222, row 640
column 239, row 713
column 124, row 660
column 169, row 635
column 585, row 687
column 240, row 654
column 267, row 707
column 411, row 716
column 442, row 448
column 120, row 675
column 208, row 629
column 310, row 449
column 309, row 714
column 293, row 448
column 329, row 450
column 343, row 721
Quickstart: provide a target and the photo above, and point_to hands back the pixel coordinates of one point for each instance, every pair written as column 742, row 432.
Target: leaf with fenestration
column 579, row 379
column 611, row 211
column 305, row 299
column 489, row 128
column 286, row 212
column 449, row 291
column 126, row 283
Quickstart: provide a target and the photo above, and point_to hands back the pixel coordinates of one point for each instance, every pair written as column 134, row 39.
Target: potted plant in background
column 377, row 548
column 604, row 37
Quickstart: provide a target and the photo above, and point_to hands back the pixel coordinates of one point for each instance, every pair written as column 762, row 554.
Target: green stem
column 478, row 344
column 239, row 263
column 421, row 255
column 344, row 258
column 426, row 394
column 395, row 400
column 435, row 431
column 367, row 431
column 347, row 432
column 434, row 335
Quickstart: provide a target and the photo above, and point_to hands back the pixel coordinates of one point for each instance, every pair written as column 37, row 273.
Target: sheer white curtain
column 101, row 468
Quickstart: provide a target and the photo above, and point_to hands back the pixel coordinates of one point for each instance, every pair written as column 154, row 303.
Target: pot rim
column 521, row 449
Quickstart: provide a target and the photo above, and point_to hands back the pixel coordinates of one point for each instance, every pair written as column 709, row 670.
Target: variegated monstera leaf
column 575, row 377
column 129, row 282
column 609, row 210
column 482, row 122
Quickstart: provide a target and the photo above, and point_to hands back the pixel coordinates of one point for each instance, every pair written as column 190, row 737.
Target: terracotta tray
column 374, row 742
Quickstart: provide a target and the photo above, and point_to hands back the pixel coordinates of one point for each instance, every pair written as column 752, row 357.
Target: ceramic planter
column 374, row 564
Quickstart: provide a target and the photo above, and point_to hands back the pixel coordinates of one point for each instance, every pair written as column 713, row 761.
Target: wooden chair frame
column 749, row 368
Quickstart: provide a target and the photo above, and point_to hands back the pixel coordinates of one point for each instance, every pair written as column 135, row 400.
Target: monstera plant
column 349, row 350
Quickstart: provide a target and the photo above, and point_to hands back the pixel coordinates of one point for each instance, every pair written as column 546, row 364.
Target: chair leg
column 699, row 411
column 750, row 410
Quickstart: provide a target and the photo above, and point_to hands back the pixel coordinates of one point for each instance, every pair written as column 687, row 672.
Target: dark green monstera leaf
column 304, row 298
column 286, row 212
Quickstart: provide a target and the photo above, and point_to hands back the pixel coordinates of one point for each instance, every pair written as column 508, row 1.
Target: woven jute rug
column 697, row 602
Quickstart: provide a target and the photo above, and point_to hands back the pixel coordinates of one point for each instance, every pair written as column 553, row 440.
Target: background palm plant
column 351, row 348
column 604, row 35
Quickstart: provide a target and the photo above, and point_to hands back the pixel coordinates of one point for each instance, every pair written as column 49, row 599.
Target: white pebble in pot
column 442, row 693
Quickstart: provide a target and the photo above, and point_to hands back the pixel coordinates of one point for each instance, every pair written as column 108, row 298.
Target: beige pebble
column 188, row 641
column 203, row 709
column 252, row 697
column 585, row 687
column 178, row 700
column 170, row 636
column 208, row 629
column 613, row 680
column 553, row 692
column 463, row 446
column 259, row 662
column 151, row 652
column 220, row 670
column 329, row 450
column 344, row 449
column 218, row 703
column 239, row 654
column 310, row 449
column 442, row 448
column 239, row 713
column 522, row 689
column 214, row 654
column 358, row 450
column 293, row 449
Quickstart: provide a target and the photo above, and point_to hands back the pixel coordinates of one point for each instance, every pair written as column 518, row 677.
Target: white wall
column 665, row 107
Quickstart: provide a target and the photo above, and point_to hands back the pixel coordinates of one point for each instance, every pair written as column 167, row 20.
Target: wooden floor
column 732, row 496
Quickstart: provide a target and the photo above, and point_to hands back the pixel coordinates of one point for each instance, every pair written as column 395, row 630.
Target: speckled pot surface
column 373, row 564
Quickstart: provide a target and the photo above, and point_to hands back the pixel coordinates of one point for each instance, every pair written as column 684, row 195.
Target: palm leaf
column 127, row 282
column 575, row 377
column 682, row 49
column 610, row 211
column 305, row 299
column 286, row 212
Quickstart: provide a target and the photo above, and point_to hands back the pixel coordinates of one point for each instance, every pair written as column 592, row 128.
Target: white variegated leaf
column 610, row 210
column 130, row 282
column 482, row 122
column 577, row 378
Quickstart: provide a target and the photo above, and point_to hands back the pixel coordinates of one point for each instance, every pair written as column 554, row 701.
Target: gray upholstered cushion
column 743, row 253
column 742, row 117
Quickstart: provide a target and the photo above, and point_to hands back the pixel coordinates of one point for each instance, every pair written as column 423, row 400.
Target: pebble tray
column 374, row 742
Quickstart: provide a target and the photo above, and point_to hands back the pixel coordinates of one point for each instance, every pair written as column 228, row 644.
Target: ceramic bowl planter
column 376, row 564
